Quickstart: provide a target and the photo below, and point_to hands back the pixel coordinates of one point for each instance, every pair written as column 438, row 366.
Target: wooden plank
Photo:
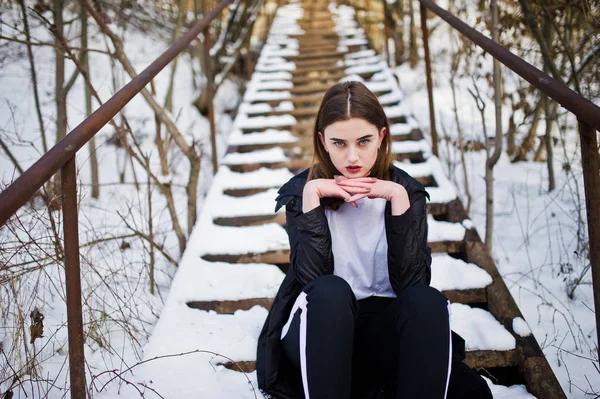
column 253, row 220
column 230, row 307
column 243, row 192
column 283, row 257
column 489, row 359
column 476, row 295
column 475, row 359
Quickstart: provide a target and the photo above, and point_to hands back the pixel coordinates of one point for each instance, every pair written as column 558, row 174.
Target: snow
column 269, row 136
column 448, row 273
column 520, row 327
column 256, row 96
column 480, row 329
column 512, row 392
column 263, row 177
column 445, row 190
column 272, row 155
column 411, row 146
column 244, row 122
column 444, row 231
column 366, row 68
column 257, row 204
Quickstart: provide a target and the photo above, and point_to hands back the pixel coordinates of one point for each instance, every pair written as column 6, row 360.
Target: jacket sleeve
column 409, row 256
column 311, row 255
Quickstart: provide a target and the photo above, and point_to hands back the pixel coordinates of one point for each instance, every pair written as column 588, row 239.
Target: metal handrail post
column 73, row 280
column 434, row 138
column 591, row 183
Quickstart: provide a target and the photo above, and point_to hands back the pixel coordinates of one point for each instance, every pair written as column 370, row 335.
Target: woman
column 355, row 310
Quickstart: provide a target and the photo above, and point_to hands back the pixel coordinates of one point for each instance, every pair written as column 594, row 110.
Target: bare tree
column 413, row 54
column 491, row 161
column 85, row 62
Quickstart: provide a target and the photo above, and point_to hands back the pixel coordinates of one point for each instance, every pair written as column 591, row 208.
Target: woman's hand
column 316, row 189
column 372, row 187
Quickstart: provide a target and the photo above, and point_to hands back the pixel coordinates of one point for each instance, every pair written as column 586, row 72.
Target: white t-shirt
column 360, row 247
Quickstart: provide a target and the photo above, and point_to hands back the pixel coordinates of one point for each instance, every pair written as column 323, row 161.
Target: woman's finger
column 352, row 200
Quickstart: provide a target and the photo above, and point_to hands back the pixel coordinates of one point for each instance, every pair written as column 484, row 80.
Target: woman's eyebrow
column 358, row 139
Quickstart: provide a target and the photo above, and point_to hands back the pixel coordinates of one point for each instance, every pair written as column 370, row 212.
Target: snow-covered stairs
column 238, row 251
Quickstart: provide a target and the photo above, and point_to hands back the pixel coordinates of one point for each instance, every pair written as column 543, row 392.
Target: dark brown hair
column 342, row 102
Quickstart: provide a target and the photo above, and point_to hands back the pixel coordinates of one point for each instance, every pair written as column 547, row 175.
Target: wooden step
column 253, row 220
column 333, row 53
column 473, row 296
column 475, row 359
column 283, row 257
column 301, row 164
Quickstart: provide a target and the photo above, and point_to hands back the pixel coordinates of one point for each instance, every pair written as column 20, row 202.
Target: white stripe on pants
column 300, row 304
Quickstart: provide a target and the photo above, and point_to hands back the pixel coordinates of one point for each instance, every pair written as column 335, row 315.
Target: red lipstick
column 353, row 168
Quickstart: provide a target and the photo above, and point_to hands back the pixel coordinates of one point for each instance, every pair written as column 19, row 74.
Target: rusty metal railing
column 587, row 113
column 61, row 158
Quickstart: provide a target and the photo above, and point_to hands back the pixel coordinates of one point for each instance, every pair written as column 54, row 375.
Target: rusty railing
column 587, row 113
column 61, row 158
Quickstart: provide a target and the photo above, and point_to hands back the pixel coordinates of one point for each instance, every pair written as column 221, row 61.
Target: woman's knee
column 331, row 291
column 425, row 300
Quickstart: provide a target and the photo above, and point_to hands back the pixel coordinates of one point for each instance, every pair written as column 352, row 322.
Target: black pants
column 340, row 345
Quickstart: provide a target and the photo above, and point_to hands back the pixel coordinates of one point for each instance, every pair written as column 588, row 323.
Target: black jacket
column 409, row 263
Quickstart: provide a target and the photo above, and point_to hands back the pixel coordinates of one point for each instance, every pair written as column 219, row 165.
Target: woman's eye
column 338, row 143
column 363, row 142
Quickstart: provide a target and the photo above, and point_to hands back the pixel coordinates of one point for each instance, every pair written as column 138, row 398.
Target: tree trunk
column 548, row 109
column 36, row 95
column 400, row 48
column 176, row 34
column 85, row 62
column 59, row 82
column 510, row 136
column 413, row 54
column 491, row 162
column 527, row 144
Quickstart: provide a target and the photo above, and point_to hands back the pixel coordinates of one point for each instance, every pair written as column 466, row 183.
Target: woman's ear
column 322, row 141
column 382, row 134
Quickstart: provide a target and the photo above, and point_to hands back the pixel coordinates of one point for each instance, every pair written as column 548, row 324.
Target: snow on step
column 258, row 122
column 444, row 231
column 445, row 190
column 448, row 273
column 272, row 155
column 511, row 392
column 270, row 85
column 221, row 281
column 271, row 60
column 407, row 147
column 277, row 50
column 262, row 76
column 396, row 111
column 257, row 96
column 261, row 178
column 225, row 240
column 287, row 66
column 402, row 129
column 360, row 54
column 233, row 336
column 270, row 136
column 366, row 68
column 252, row 205
column 480, row 329
column 360, row 61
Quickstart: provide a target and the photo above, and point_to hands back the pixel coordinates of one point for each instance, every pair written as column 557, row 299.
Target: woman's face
column 352, row 146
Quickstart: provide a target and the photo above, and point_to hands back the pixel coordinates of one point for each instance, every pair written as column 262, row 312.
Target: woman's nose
column 352, row 154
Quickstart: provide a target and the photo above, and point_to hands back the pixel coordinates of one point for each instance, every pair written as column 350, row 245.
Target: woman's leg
column 319, row 335
column 410, row 340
